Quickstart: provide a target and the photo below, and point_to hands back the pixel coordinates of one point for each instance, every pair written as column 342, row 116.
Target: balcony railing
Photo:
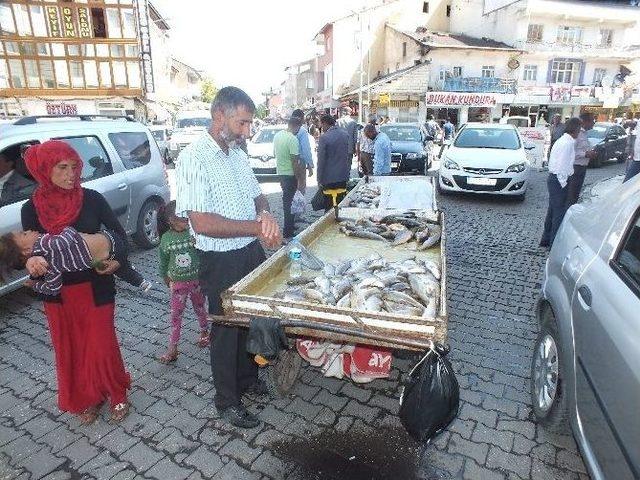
column 582, row 49
column 480, row 85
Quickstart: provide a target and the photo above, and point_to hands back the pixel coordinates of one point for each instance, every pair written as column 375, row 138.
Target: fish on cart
column 396, row 229
column 368, row 196
column 372, row 284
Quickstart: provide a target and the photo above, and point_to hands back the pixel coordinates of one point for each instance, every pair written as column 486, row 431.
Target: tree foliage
column 208, row 90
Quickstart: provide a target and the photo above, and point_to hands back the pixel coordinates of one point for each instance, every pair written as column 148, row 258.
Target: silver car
column 121, row 160
column 586, row 361
column 162, row 134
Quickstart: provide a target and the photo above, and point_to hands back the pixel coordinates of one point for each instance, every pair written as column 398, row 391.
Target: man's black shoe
column 258, row 388
column 238, row 416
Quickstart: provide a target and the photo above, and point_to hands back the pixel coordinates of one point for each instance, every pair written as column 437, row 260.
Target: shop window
column 568, row 35
column 6, row 20
column 133, row 148
column 31, row 71
column 457, row 72
column 21, row 13
column 488, row 71
column 95, row 162
column 119, row 74
column 530, row 73
column 98, row 22
column 448, row 10
column 128, row 23
column 117, row 51
column 605, row 37
column 91, row 73
column 133, row 72
column 113, row 23
column 62, row 73
column 16, row 74
column 105, row 75
column 4, row 74
column 38, row 21
column 77, row 77
column 534, row 33
column 46, row 74
column 598, row 75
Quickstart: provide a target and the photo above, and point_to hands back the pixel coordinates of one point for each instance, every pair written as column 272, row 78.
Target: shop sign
column 62, row 108
column 54, row 22
column 67, row 22
column 534, row 90
column 583, row 91
column 384, row 99
column 84, row 28
column 454, row 99
column 560, row 93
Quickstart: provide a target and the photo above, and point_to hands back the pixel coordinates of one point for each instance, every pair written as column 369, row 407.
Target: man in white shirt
column 584, row 153
column 561, row 158
column 634, row 165
column 218, row 192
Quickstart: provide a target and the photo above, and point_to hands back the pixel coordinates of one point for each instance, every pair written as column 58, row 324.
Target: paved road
column 326, row 428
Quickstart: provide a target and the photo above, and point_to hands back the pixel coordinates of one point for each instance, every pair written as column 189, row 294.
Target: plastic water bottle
column 295, row 269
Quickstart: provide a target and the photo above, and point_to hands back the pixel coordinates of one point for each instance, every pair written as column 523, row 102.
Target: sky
column 247, row 43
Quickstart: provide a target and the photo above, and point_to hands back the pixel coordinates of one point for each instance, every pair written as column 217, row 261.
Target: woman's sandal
column 168, row 357
column 203, row 341
column 119, row 412
column 90, row 414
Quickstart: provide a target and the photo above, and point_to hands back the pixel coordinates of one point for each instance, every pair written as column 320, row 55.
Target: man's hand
column 269, row 230
column 310, row 171
column 590, row 154
column 37, row 266
column 108, row 267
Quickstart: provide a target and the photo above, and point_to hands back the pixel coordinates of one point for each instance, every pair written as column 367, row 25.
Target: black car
column 409, row 151
column 609, row 140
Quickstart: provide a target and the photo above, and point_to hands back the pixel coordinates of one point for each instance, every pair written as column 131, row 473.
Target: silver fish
column 345, row 301
column 371, row 281
column 434, row 237
column 424, row 287
column 299, row 281
column 403, row 236
column 329, row 270
column 324, row 284
column 403, row 298
column 341, row 287
column 433, row 268
column 361, row 233
column 373, row 304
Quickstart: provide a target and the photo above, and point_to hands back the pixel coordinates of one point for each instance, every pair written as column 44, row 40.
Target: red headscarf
column 56, row 207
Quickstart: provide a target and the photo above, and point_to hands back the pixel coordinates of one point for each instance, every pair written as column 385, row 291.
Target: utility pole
column 267, row 96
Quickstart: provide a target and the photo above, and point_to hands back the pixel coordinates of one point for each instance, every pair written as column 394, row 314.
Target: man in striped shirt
column 218, row 192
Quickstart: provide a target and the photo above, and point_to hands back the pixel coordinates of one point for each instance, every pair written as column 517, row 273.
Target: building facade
column 61, row 57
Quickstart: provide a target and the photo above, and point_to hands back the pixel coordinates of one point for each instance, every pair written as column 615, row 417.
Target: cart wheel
column 281, row 375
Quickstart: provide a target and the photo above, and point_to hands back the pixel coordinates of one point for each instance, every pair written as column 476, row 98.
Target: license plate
column 488, row 182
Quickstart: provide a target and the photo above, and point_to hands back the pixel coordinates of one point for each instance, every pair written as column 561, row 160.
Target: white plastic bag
column 298, row 204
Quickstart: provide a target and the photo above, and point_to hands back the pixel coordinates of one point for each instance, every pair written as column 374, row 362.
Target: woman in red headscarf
column 89, row 365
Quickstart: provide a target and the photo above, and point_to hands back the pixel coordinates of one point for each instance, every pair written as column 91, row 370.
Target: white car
column 260, row 150
column 188, row 127
column 485, row 158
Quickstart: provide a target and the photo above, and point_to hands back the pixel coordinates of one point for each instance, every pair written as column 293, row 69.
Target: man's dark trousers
column 574, row 184
column 233, row 369
column 289, row 185
column 555, row 212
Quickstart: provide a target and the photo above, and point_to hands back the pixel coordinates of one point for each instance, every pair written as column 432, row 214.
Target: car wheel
column 147, row 235
column 621, row 158
column 548, row 393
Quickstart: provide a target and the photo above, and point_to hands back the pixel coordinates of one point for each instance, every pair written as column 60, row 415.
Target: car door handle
column 585, row 295
column 123, row 186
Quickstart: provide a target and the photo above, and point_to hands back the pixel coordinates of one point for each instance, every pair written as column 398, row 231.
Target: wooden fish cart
column 254, row 295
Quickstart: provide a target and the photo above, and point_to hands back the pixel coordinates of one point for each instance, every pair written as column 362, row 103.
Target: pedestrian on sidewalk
column 634, row 164
column 89, row 366
column 305, row 148
column 290, row 170
column 364, row 149
column 228, row 215
column 347, row 122
column 561, row 160
column 381, row 150
column 556, row 130
column 448, row 131
column 179, row 268
column 334, row 160
column 584, row 153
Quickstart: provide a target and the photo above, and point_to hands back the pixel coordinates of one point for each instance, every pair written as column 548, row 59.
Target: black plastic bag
column 319, row 200
column 266, row 338
column 430, row 397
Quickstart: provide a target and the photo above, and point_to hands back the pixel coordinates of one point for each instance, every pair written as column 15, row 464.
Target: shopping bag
column 319, row 200
column 430, row 396
column 298, row 204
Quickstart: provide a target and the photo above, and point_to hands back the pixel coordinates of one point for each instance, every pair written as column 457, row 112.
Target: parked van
column 121, row 161
column 187, row 127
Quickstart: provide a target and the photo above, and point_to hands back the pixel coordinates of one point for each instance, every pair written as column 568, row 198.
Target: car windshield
column 402, row 134
column 500, row 138
column 266, row 135
column 194, row 122
column 597, row 132
column 518, row 122
column 158, row 134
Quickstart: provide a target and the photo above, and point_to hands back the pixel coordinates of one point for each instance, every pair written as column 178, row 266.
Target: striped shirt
column 65, row 252
column 210, row 181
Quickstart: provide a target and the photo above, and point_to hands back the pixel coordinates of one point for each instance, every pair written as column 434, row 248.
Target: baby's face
column 25, row 241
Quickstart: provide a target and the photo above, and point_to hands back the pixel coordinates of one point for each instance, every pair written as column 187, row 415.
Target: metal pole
column 360, row 119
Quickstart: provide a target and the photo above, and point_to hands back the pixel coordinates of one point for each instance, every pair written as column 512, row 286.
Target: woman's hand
column 108, row 267
column 36, row 266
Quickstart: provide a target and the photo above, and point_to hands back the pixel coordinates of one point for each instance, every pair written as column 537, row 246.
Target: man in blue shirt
column 305, row 147
column 381, row 150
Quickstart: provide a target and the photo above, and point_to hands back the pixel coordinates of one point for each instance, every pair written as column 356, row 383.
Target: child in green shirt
column 179, row 269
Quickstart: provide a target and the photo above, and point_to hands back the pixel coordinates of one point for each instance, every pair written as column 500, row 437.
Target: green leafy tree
column 261, row 111
column 208, row 90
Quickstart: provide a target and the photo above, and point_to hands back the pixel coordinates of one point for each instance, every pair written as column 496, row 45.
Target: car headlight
column 412, row 156
column 450, row 164
column 516, row 168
